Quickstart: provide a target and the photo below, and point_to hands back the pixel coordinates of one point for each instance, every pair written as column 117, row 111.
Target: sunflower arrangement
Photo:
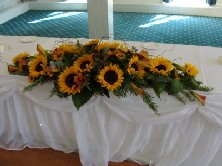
column 99, row 68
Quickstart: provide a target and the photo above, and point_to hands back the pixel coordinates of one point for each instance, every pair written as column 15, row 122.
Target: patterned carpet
column 161, row 28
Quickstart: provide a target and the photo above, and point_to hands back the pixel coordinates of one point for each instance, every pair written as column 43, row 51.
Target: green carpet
column 161, row 28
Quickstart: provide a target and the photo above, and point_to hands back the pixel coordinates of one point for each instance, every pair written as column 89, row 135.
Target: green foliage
column 42, row 80
column 58, row 64
column 147, row 98
column 79, row 99
column 175, row 87
column 158, row 87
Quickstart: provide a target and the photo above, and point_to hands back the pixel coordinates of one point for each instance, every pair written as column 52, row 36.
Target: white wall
column 7, row 3
column 219, row 2
column 4, row 4
column 139, row 1
column 12, row 11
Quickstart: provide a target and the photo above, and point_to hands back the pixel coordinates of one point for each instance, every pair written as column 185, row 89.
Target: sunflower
column 57, row 54
column 92, row 42
column 124, row 48
column 110, row 77
column 143, row 56
column 119, row 53
column 114, row 53
column 70, row 81
column 108, row 45
column 69, row 48
column 20, row 56
column 160, row 65
column 84, row 63
column 37, row 66
column 191, row 69
column 135, row 67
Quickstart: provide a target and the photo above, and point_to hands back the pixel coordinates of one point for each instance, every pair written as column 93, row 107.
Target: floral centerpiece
column 98, row 68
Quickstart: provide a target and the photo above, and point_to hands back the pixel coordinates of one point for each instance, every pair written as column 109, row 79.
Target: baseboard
column 168, row 9
column 57, row 6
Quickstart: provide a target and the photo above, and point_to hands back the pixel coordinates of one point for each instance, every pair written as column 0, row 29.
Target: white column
column 100, row 19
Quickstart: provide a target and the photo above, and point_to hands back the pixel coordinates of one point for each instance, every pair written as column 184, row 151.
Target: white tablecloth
column 112, row 129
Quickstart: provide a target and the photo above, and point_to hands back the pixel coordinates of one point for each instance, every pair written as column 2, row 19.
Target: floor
column 160, row 28
column 45, row 157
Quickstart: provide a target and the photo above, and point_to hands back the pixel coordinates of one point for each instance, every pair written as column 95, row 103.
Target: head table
column 113, row 129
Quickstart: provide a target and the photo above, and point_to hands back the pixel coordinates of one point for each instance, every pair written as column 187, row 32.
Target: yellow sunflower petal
column 84, row 63
column 111, row 77
column 70, row 81
column 160, row 65
column 20, row 56
column 191, row 70
column 38, row 66
column 135, row 67
column 108, row 45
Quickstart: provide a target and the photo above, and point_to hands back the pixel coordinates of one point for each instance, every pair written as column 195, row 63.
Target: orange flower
column 12, row 69
column 21, row 63
column 199, row 97
column 137, row 89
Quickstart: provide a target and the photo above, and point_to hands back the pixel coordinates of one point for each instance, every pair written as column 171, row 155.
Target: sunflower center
column 111, row 77
column 39, row 67
column 70, row 80
column 134, row 66
column 59, row 55
column 161, row 67
column 83, row 65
